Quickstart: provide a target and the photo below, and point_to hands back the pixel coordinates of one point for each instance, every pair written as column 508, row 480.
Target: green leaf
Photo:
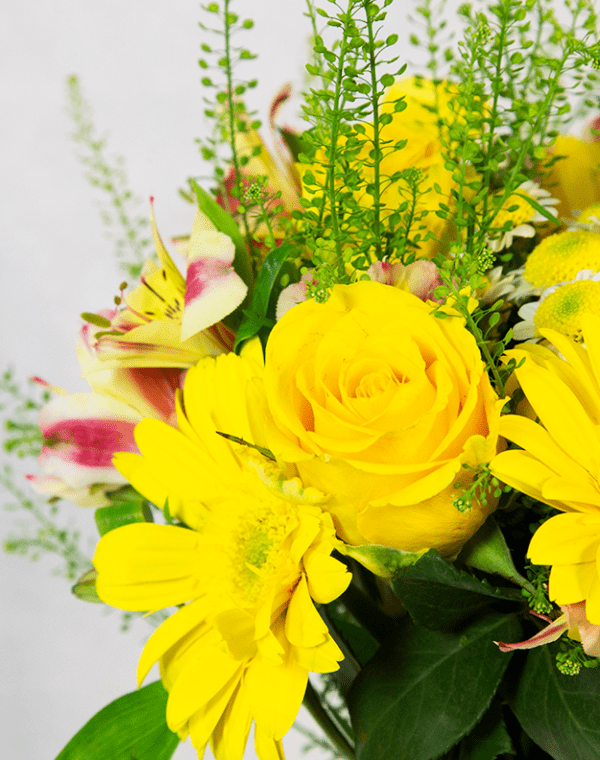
column 488, row 740
column 440, row 596
column 545, row 212
column 424, row 690
column 85, row 588
column 488, row 551
column 381, row 560
column 560, row 713
column 116, row 515
column 225, row 223
column 133, row 726
column 360, row 641
column 292, row 140
column 256, row 317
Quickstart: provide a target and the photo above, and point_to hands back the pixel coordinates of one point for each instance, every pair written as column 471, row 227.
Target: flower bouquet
column 347, row 453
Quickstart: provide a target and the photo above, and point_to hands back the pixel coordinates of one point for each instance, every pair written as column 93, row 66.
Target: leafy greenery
column 559, row 712
column 441, row 596
column 424, row 690
column 46, row 536
column 21, row 409
column 107, row 173
column 132, row 726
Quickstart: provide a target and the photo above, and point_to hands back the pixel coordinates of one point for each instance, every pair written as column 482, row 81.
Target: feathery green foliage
column 107, row 173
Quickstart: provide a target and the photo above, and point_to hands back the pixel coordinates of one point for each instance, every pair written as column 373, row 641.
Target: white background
column 62, row 660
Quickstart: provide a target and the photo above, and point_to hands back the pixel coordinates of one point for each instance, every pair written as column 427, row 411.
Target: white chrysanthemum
column 588, row 219
column 560, row 307
column 511, row 286
column 522, row 216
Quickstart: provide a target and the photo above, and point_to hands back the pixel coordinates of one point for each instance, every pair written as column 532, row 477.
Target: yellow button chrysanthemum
column 565, row 307
column 523, row 213
column 590, row 213
column 560, row 257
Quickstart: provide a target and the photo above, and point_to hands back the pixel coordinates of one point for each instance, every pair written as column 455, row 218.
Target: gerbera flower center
column 563, row 309
column 258, row 548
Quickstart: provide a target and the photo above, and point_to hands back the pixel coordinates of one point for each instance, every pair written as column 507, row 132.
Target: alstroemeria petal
column 82, row 432
column 83, row 497
column 213, row 288
column 548, row 634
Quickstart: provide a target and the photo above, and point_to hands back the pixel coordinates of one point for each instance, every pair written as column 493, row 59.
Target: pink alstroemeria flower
column 213, row 289
column 420, row 278
column 278, row 167
column 82, row 432
column 574, row 621
column 166, row 320
column 46, row 485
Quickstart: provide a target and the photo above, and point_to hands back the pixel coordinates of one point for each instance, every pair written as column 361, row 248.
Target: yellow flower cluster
column 371, row 409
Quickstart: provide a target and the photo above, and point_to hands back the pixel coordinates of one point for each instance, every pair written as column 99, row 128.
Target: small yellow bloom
column 559, row 459
column 523, row 215
column 248, row 572
column 381, row 404
column 590, row 215
column 560, row 257
column 563, row 309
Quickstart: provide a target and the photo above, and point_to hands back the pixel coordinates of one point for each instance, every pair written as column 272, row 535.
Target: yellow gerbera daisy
column 257, row 557
column 559, row 459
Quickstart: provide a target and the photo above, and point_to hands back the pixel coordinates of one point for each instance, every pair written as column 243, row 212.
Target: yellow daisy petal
column 571, row 583
column 144, row 566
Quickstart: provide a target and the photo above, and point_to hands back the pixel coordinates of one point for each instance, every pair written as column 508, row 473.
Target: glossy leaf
column 116, row 515
column 440, row 596
column 560, row 713
column 257, row 316
column 425, row 690
column 488, row 740
column 131, row 727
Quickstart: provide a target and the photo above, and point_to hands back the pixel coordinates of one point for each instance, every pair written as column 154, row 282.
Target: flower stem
column 321, row 716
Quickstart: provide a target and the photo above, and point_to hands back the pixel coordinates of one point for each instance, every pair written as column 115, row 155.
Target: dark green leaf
column 440, row 596
column 116, row 515
column 424, row 690
column 132, row 726
column 360, row 641
column 292, row 140
column 488, row 739
column 560, row 713
column 256, row 317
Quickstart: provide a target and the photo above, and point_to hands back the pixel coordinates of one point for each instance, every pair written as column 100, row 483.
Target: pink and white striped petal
column 213, row 287
column 82, row 432
column 548, row 634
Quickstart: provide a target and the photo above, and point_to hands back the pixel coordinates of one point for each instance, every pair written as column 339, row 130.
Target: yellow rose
column 575, row 178
column 380, row 404
column 417, row 125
